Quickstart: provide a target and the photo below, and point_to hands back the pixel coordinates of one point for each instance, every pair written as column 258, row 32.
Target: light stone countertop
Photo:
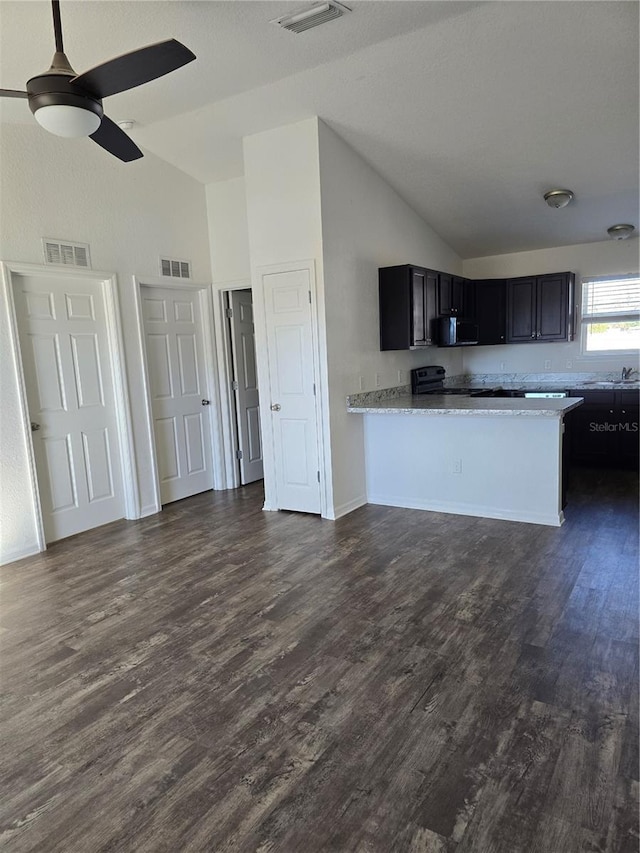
column 442, row 404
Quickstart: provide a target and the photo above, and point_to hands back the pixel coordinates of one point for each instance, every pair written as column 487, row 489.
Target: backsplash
column 366, row 398
column 546, row 378
column 513, row 381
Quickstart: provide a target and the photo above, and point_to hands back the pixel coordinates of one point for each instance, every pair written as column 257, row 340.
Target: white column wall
column 282, row 181
column 366, row 225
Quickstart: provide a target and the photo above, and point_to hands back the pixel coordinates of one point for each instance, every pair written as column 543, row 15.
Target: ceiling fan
column 70, row 104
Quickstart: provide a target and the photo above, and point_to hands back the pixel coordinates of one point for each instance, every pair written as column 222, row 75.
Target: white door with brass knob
column 292, row 383
column 178, row 390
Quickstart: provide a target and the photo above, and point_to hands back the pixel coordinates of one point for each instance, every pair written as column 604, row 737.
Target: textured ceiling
column 470, row 110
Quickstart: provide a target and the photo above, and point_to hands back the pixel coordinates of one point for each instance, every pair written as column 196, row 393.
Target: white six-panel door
column 246, row 387
column 178, row 390
column 291, row 380
column 69, row 385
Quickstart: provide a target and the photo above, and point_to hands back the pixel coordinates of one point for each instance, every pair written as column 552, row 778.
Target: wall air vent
column 312, row 16
column 66, row 254
column 173, row 268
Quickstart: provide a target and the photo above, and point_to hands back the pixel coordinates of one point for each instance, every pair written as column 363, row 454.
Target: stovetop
column 468, row 392
column 430, row 380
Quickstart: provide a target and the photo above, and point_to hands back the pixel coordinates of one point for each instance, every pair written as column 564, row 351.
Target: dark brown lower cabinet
column 604, row 430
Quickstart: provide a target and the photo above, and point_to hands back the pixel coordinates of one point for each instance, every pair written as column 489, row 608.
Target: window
column 611, row 314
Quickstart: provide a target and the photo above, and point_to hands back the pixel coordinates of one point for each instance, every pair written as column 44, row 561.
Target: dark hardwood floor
column 217, row 678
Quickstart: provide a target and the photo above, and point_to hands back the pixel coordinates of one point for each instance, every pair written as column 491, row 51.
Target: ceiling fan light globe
column 68, row 121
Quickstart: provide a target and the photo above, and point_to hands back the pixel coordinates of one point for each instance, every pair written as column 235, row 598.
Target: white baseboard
column 20, row 554
column 346, row 508
column 548, row 519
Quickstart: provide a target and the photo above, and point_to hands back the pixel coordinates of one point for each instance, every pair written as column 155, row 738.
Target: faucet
column 627, row 372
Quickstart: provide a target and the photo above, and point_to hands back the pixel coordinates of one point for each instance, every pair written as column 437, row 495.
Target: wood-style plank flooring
column 217, row 678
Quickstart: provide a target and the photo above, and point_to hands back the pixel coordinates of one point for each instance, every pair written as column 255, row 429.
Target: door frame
column 203, row 291
column 109, row 287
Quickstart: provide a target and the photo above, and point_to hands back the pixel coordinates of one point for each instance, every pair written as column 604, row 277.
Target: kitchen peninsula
column 487, row 457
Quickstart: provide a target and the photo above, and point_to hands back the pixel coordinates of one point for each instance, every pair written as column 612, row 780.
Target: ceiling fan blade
column 135, row 68
column 114, row 140
column 12, row 93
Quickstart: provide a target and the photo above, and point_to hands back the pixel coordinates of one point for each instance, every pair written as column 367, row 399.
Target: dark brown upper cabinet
column 455, row 296
column 491, row 310
column 407, row 306
column 540, row 308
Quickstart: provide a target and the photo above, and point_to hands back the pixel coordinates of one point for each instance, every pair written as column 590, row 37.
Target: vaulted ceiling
column 471, row 110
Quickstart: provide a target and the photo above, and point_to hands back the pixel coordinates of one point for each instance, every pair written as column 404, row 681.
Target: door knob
column 275, row 407
column 34, row 426
column 206, row 402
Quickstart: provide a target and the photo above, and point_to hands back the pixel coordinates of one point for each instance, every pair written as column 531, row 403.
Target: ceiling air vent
column 313, row 16
column 66, row 254
column 175, row 269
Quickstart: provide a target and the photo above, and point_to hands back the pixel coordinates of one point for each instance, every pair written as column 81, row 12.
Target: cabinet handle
column 624, row 411
column 610, row 411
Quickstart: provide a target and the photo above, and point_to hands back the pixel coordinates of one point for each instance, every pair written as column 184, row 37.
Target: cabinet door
column 419, row 327
column 594, row 435
column 628, row 434
column 395, row 307
column 431, row 310
column 521, row 310
column 552, row 310
column 445, row 282
column 460, row 298
column 491, row 310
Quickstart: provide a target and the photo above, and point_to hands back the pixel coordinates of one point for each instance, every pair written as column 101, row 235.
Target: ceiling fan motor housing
column 56, row 89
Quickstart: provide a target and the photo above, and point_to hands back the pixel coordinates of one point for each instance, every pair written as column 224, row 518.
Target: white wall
column 365, row 225
column 588, row 259
column 228, row 230
column 130, row 214
column 495, row 480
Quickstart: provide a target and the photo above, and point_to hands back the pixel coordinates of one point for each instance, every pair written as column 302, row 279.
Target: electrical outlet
column 503, row 365
column 569, row 363
column 377, row 380
column 547, row 364
column 456, row 467
column 401, row 376
column 361, row 382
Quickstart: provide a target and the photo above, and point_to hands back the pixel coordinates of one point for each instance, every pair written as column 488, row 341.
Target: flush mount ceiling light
column 313, row 16
column 558, row 198
column 620, row 232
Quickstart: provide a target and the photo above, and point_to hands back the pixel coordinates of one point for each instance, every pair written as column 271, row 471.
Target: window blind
column 610, row 297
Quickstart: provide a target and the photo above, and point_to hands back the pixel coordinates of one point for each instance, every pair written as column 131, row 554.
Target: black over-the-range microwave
column 456, row 332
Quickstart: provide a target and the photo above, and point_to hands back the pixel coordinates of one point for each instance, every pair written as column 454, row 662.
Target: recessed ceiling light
column 620, row 232
column 558, row 198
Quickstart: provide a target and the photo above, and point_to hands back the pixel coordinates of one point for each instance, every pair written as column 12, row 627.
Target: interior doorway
column 67, row 346
column 245, row 385
column 178, row 390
